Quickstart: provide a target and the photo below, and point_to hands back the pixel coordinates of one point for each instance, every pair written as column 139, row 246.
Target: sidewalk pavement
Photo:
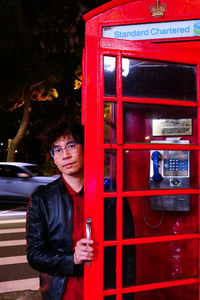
column 21, row 295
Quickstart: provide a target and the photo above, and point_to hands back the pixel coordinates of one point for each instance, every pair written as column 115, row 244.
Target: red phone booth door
column 146, row 206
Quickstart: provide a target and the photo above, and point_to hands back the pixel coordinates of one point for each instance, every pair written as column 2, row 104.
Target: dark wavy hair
column 62, row 127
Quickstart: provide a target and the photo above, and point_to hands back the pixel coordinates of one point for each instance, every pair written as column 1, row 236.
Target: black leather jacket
column 49, row 238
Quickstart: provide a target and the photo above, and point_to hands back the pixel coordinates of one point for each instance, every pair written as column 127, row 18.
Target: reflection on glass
column 138, row 122
column 110, row 170
column 156, row 79
column 109, row 268
column 109, row 76
column 173, row 260
column 149, row 222
column 110, row 219
column 129, row 265
column 160, row 169
column 186, row 292
column 113, row 297
column 110, row 122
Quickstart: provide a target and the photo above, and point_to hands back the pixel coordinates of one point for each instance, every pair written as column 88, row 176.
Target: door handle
column 88, row 222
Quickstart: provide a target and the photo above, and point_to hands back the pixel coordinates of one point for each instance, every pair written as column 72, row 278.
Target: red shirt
column 74, row 285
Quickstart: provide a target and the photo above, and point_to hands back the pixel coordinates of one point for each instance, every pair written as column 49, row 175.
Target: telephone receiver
column 156, row 157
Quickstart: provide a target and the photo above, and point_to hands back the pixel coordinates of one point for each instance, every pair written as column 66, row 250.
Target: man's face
column 69, row 156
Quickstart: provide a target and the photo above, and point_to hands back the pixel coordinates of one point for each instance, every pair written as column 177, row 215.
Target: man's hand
column 83, row 251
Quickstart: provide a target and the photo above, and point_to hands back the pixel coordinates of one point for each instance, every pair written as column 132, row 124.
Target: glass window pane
column 110, row 170
column 109, row 268
column 142, row 219
column 109, row 76
column 148, row 122
column 113, row 297
column 129, row 266
column 110, row 219
column 186, row 292
column 128, row 220
column 160, row 169
column 159, row 262
column 110, row 122
column 130, row 296
column 156, row 79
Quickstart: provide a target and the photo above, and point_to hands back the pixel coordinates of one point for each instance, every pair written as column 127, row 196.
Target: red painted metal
column 153, row 101
column 154, row 286
column 153, row 192
column 153, row 146
column 187, row 51
column 178, row 9
column 156, row 239
column 83, row 88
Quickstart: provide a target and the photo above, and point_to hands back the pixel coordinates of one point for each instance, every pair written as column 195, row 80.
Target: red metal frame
column 93, row 118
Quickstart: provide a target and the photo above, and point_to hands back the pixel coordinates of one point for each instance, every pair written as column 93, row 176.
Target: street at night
column 15, row 273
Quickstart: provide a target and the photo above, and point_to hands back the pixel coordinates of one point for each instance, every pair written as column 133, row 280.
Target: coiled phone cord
column 145, row 220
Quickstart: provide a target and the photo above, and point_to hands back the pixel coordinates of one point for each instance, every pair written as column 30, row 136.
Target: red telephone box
column 141, row 97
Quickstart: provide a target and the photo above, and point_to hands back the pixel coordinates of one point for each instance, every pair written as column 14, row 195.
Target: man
column 56, row 246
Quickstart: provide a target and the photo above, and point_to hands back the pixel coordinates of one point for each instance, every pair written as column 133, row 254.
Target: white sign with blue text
column 151, row 31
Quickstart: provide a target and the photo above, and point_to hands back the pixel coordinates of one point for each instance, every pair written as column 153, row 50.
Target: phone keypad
column 175, row 165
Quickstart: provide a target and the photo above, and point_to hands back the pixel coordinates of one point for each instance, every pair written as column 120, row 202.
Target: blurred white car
column 19, row 180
